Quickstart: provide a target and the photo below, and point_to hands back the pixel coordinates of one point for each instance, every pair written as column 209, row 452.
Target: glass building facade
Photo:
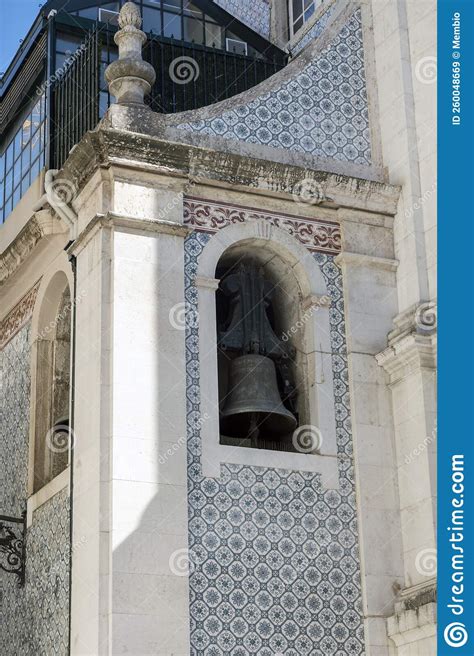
column 23, row 158
column 23, row 148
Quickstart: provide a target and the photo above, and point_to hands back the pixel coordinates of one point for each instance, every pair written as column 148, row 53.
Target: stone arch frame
column 56, row 281
column 318, row 351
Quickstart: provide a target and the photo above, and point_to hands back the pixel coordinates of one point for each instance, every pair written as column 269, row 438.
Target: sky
column 16, row 18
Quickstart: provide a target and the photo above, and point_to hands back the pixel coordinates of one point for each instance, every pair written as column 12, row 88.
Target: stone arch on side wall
column 268, row 239
column 50, row 376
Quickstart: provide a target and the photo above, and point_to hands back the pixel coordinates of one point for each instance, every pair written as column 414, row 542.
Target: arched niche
column 51, row 378
column 304, row 299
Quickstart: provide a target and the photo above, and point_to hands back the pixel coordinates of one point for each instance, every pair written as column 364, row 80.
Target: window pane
column 151, row 20
column 309, row 12
column 17, row 144
column 297, row 8
column 172, row 25
column 308, row 3
column 25, row 132
column 36, row 116
column 16, row 195
column 91, row 13
column 9, row 157
column 9, row 182
column 35, row 169
column 17, row 172
column 191, row 9
column 25, row 183
column 35, row 144
column 67, row 43
column 25, row 161
column 193, row 30
column 298, row 24
column 213, row 35
column 172, row 5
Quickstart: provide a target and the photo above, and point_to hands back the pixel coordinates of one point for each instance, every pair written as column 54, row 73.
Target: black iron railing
column 75, row 100
column 188, row 76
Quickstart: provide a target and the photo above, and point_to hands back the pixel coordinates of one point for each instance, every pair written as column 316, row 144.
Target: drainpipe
column 72, row 260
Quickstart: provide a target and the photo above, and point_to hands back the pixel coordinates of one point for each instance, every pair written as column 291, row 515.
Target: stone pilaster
column 410, row 365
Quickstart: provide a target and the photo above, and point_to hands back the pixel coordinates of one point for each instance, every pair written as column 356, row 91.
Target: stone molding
column 408, row 354
column 415, row 615
column 412, row 344
column 127, row 149
column 113, row 220
column 41, row 224
column 359, row 259
column 18, row 316
column 208, row 216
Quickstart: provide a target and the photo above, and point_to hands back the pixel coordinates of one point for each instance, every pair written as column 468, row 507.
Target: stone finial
column 129, row 77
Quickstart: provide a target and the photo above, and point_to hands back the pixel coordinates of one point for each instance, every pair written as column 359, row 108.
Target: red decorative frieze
column 209, row 216
column 18, row 316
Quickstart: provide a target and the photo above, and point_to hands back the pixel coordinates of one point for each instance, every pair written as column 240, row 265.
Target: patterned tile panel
column 322, row 111
column 275, row 563
column 34, row 618
column 254, row 13
column 14, row 422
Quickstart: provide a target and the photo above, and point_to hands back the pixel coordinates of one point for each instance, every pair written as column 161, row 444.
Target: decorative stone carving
column 129, row 77
column 316, row 235
column 18, row 316
column 41, row 224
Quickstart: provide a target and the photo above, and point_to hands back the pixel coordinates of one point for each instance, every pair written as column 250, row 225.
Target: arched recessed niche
column 51, row 379
column 303, row 315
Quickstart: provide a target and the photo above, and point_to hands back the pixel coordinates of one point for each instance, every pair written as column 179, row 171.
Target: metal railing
column 188, row 76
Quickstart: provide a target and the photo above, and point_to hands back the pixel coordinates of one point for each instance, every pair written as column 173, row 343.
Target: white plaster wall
column 370, row 301
column 404, row 35
column 149, row 601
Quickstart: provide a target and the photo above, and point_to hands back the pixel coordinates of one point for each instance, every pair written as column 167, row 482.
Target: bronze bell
column 253, row 405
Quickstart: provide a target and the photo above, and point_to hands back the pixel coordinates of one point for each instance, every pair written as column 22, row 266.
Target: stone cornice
column 106, row 148
column 361, row 260
column 41, row 224
column 112, row 220
column 415, row 614
column 408, row 354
